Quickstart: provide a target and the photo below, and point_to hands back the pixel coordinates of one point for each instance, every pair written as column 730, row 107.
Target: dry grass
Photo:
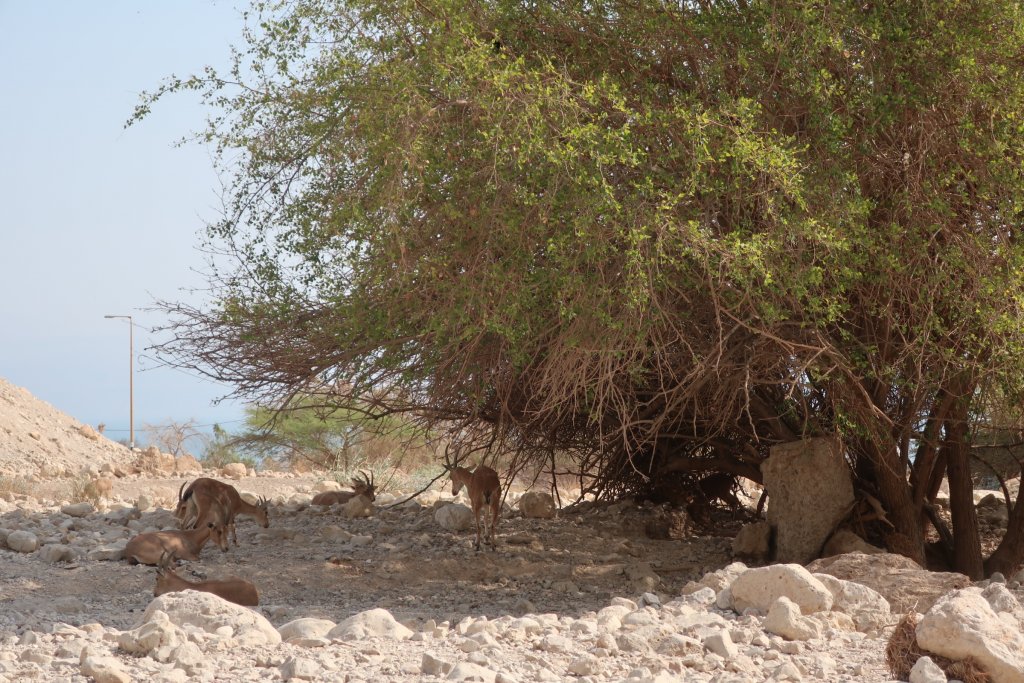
column 902, row 653
column 81, row 490
column 15, row 486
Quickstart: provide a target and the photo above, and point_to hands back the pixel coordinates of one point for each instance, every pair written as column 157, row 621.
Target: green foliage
column 223, row 448
column 306, row 433
column 636, row 230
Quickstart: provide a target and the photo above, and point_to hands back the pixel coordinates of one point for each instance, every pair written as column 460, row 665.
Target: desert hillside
column 37, row 440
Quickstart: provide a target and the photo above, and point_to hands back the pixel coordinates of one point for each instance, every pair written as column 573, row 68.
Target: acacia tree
column 658, row 236
column 307, row 430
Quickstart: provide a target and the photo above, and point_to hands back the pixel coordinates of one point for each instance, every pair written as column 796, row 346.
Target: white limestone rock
column 467, row 671
column 234, row 470
column 759, row 588
column 537, row 505
column 374, row 623
column 454, row 517
column 301, row 668
column 868, row 609
column 963, row 624
column 155, row 633
column 926, row 671
column 307, row 627
column 83, row 509
column 784, row 619
column 212, row 613
column 22, row 541
column 57, row 553
column 105, row 670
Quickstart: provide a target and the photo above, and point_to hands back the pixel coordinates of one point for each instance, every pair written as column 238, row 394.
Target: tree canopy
column 659, row 237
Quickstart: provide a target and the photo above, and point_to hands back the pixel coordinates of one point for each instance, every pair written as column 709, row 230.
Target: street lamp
column 131, row 378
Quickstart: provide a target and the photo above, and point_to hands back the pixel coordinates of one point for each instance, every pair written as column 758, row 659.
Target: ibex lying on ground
column 484, row 488
column 207, row 498
column 238, row 591
column 361, row 487
column 149, row 547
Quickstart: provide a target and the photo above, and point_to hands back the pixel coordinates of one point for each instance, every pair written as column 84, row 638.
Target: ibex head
column 263, row 511
column 365, row 486
column 457, row 474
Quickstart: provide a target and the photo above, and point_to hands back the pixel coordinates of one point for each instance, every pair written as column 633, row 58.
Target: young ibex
column 484, row 488
column 149, row 547
column 207, row 498
column 238, row 591
column 360, row 487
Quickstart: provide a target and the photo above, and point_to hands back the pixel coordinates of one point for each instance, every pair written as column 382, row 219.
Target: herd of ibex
column 207, row 508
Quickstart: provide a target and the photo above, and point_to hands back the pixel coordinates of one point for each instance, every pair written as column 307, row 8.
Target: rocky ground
column 585, row 596
column 531, row 610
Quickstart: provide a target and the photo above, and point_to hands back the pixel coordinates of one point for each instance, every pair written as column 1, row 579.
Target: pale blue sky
column 96, row 219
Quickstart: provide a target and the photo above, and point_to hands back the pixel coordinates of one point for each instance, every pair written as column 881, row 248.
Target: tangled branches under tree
column 650, row 237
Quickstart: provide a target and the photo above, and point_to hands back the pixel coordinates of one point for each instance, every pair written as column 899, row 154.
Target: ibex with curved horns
column 360, row 487
column 149, row 547
column 484, row 488
column 207, row 498
column 238, row 591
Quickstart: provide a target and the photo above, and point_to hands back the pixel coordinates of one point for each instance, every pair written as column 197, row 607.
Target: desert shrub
column 15, row 485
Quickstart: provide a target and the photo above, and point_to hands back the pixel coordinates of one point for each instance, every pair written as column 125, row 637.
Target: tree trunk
column 1009, row 556
column 893, row 488
column 966, row 541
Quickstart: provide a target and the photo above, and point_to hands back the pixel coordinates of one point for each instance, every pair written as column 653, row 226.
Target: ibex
column 207, row 498
column 717, row 486
column 720, row 486
column 149, row 547
column 238, row 591
column 484, row 488
column 361, row 487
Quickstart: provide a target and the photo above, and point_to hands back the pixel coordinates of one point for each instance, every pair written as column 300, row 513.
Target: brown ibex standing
column 238, row 591
column 361, row 487
column 484, row 488
column 720, row 486
column 208, row 498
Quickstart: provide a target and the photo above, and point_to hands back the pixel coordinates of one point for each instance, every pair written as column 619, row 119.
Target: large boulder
column 810, row 474
column 210, row 613
column 537, row 505
column 155, row 637
column 83, row 509
column 186, row 464
column 22, row 541
column 964, row 624
column 454, row 517
column 845, row 541
column 898, row 579
column 306, row 627
column 760, row 588
column 753, row 542
column 374, row 623
column 234, row 470
column 868, row 609
column 784, row 619
column 152, row 461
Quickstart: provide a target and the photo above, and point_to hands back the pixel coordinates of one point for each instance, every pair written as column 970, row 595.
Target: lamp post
column 131, row 378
